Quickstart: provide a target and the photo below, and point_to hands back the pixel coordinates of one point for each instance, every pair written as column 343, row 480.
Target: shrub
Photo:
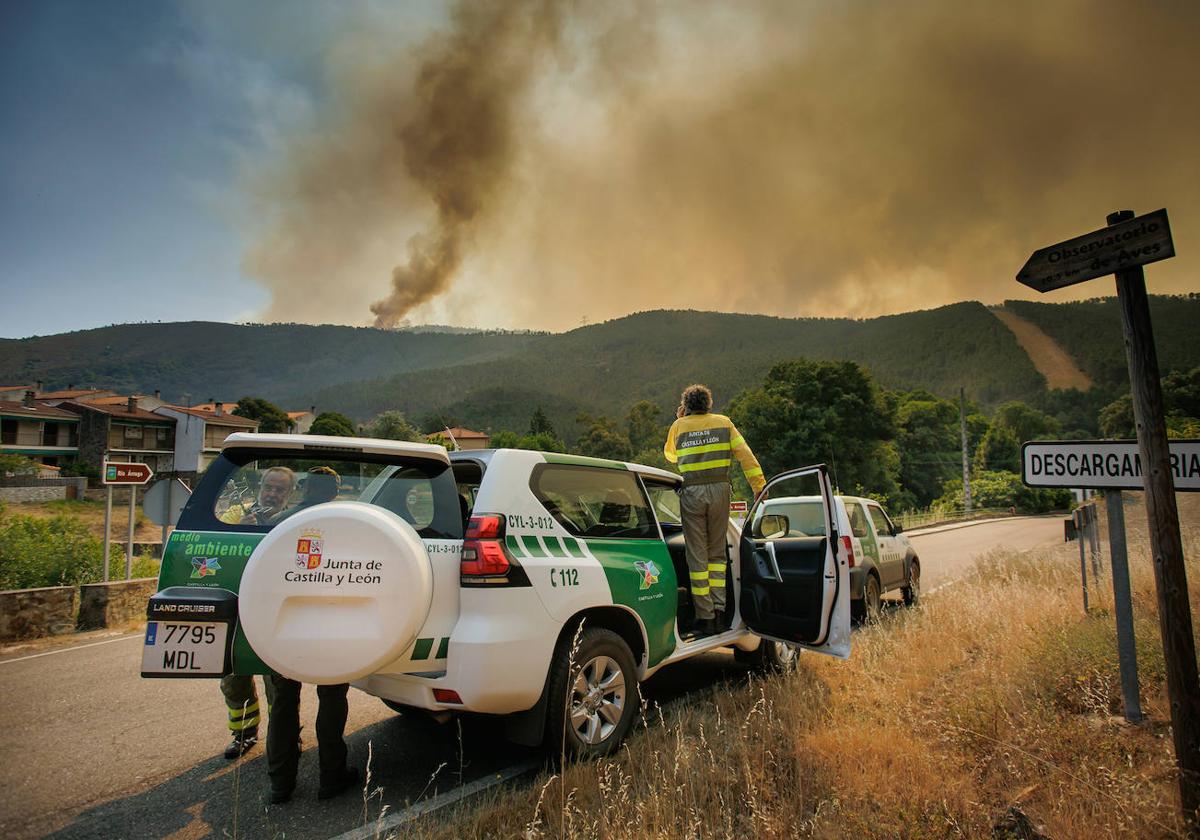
column 1001, row 489
column 53, row 551
column 17, row 465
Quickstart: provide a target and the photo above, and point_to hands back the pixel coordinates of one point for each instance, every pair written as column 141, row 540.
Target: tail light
column 848, row 544
column 483, row 552
column 446, row 695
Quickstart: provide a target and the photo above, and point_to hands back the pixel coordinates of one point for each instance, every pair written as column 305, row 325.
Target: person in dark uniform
column 240, row 696
column 283, row 730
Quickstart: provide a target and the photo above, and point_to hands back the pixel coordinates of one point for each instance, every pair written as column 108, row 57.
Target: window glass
column 882, row 526
column 858, row 519
column 254, row 491
column 665, row 501
column 790, row 507
column 592, row 502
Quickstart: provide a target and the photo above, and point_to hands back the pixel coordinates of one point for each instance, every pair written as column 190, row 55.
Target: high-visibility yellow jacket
column 703, row 446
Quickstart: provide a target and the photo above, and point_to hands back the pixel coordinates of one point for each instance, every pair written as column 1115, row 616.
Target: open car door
column 794, row 586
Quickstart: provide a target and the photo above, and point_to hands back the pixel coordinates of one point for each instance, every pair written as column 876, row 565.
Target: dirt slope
column 1050, row 360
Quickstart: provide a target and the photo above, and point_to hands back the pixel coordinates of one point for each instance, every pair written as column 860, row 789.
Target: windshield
column 806, row 517
column 254, row 490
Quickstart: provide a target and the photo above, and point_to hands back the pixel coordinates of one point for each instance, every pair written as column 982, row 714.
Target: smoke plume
column 544, row 162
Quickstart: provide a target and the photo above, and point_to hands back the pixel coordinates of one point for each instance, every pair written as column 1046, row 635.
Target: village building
column 302, row 420
column 463, row 438
column 44, row 434
column 123, row 432
column 199, row 433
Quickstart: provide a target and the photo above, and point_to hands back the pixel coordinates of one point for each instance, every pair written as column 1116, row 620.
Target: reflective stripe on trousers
column 242, row 700
column 704, row 509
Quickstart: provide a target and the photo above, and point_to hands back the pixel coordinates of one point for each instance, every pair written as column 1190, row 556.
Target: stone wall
column 32, row 494
column 29, row 613
column 115, row 603
column 28, row 488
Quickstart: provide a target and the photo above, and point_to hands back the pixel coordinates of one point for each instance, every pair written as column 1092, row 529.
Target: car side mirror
column 896, row 529
column 772, row 526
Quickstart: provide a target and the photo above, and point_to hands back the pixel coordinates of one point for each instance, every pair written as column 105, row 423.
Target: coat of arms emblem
column 308, row 549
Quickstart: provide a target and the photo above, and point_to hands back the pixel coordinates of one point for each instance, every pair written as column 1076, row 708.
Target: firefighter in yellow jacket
column 704, row 446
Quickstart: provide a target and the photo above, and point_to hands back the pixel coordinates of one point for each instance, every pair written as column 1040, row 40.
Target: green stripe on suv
column 424, row 647
column 527, row 545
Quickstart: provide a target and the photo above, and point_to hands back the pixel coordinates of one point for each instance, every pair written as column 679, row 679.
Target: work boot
column 719, row 619
column 240, row 745
column 281, row 795
column 705, row 627
column 347, row 780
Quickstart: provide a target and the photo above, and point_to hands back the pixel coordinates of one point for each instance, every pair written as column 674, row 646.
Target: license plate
column 184, row 648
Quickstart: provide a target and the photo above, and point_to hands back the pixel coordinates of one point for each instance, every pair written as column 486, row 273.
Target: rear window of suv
column 595, row 502
column 256, row 489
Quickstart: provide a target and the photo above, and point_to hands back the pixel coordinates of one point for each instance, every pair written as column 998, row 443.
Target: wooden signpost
column 1123, row 248
column 131, row 475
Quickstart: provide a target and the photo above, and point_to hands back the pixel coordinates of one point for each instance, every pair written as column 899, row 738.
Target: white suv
column 538, row 586
column 880, row 557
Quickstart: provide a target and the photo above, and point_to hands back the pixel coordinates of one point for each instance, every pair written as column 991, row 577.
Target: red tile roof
column 225, row 419
column 459, row 432
column 45, row 411
column 71, row 395
column 119, row 412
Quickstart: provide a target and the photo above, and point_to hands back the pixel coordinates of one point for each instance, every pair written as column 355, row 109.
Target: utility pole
column 1166, row 546
column 966, row 459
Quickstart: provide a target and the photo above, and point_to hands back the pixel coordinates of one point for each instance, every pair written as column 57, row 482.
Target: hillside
column 206, row 359
column 606, row 367
column 495, row 380
column 1090, row 332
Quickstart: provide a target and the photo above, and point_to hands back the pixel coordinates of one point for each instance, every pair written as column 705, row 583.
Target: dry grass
column 995, row 693
column 91, row 514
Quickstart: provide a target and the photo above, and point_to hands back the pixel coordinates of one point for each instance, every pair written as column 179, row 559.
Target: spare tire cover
column 335, row 591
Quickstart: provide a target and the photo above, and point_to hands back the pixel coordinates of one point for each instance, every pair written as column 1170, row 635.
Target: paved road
column 89, row 749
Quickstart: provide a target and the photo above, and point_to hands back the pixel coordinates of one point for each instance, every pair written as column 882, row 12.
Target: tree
column 644, row 430
column 392, row 425
column 810, row 412
column 333, row 423
column 928, row 443
column 541, row 442
column 999, row 450
column 1002, row 489
column 270, row 417
column 1181, row 402
column 601, row 438
column 17, row 465
column 1026, row 422
column 1116, row 419
column 539, row 424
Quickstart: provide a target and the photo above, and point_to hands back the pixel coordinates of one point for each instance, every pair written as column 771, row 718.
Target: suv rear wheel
column 866, row 610
column 912, row 592
column 594, row 694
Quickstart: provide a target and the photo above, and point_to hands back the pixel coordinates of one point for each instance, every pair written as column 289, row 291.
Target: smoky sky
column 538, row 163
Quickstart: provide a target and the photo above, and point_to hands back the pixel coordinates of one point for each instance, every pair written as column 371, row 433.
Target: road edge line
column 428, row 806
column 137, row 635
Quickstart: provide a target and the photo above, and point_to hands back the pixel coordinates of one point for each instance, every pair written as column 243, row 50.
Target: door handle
column 774, row 563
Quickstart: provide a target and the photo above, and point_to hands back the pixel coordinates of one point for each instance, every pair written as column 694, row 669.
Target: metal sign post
column 129, row 544
column 107, row 527
column 132, row 475
column 1080, row 525
column 1123, row 604
column 1123, row 248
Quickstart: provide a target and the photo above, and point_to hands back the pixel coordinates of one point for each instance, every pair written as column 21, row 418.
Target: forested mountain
column 496, row 379
column 205, row 359
column 607, row 367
